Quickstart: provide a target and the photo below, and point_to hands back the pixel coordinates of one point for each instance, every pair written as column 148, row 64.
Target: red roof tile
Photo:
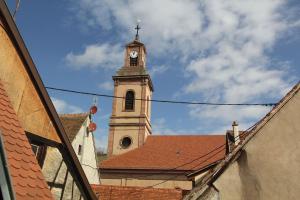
column 26, row 175
column 107, row 192
column 164, row 152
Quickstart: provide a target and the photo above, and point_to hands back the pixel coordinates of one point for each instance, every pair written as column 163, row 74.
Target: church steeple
column 130, row 120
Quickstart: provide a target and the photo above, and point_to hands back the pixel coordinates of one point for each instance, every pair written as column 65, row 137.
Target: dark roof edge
column 191, row 135
column 74, row 115
column 142, row 170
column 20, row 46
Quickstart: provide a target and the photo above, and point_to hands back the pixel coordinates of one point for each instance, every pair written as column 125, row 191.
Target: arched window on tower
column 129, row 100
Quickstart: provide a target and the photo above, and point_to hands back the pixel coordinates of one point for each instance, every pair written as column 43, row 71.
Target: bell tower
column 130, row 119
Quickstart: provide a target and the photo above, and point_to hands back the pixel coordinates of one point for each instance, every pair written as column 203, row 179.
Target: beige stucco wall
column 87, row 158
column 162, row 183
column 55, row 171
column 23, row 96
column 122, row 88
column 269, row 168
column 121, row 132
column 134, row 124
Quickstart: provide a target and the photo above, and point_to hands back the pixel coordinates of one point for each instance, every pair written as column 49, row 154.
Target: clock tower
column 130, row 119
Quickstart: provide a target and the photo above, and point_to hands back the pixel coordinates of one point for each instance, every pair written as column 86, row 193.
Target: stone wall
column 55, row 172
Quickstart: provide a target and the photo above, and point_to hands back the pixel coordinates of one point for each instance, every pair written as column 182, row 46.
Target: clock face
column 133, row 54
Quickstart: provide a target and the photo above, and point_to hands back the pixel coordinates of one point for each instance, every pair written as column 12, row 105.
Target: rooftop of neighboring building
column 171, row 152
column 72, row 123
column 108, row 192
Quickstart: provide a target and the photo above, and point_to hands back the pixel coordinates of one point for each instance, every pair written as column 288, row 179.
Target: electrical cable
column 151, row 186
column 162, row 101
column 176, row 102
column 245, row 132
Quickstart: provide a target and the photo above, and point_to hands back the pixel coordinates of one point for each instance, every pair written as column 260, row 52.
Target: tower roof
column 136, row 43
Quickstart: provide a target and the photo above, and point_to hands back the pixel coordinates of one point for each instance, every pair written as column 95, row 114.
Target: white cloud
column 158, row 69
column 107, row 85
column 104, row 56
column 101, row 142
column 223, row 46
column 64, row 107
column 161, row 127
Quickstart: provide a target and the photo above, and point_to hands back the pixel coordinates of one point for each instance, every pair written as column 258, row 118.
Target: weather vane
column 137, row 28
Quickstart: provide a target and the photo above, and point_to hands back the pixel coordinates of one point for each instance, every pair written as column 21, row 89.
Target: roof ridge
column 74, row 114
column 272, row 112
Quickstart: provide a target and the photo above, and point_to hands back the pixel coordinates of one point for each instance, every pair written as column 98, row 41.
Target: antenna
column 16, row 9
column 95, row 100
column 94, row 108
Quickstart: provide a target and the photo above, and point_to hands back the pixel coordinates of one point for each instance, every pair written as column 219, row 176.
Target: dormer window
column 129, row 100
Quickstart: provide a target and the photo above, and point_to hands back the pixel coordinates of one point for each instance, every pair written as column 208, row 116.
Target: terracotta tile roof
column 107, row 192
column 72, row 123
column 27, row 179
column 164, row 152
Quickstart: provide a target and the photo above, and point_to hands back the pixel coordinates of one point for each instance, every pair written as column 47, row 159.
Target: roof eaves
column 199, row 171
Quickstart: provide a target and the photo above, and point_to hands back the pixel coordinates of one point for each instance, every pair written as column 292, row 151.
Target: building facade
column 138, row 158
column 265, row 165
column 82, row 139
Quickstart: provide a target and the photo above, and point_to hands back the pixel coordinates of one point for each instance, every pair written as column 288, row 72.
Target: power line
column 172, row 178
column 223, row 146
column 161, row 101
column 219, row 148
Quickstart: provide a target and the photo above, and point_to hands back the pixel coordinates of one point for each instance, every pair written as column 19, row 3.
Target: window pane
column 129, row 101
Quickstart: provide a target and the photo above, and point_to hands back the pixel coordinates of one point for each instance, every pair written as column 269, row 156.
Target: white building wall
column 87, row 157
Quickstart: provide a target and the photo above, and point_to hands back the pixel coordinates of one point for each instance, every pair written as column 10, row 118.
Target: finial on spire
column 137, row 28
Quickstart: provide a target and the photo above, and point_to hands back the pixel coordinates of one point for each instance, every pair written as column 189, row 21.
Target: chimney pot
column 235, row 130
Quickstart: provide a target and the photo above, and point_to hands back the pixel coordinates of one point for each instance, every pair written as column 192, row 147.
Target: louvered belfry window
column 129, row 100
column 133, row 61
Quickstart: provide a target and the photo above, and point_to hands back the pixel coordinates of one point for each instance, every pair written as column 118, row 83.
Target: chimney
column 235, row 130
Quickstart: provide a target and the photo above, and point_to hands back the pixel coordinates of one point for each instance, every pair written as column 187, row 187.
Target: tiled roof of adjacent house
column 27, row 179
column 72, row 123
column 107, row 192
column 165, row 152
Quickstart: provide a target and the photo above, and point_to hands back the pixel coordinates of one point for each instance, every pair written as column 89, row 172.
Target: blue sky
column 217, row 51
